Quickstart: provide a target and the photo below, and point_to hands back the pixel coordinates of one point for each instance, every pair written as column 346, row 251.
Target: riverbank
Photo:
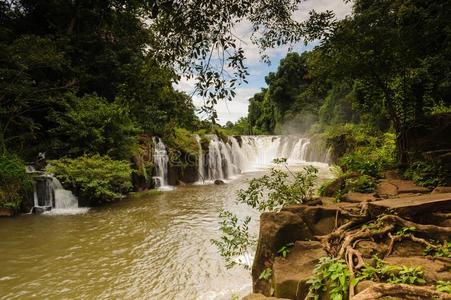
column 397, row 236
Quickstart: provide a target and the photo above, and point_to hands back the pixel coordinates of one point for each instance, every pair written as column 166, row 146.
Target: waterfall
column 200, row 160
column 51, row 198
column 214, row 170
column 64, row 199
column 224, row 160
column 161, row 159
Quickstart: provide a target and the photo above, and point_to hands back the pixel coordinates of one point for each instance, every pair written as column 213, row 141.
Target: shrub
column 361, row 184
column 14, row 181
column 357, row 162
column 184, row 141
column 425, row 173
column 92, row 125
column 97, row 178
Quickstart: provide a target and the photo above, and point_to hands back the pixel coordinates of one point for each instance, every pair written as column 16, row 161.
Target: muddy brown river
column 153, row 247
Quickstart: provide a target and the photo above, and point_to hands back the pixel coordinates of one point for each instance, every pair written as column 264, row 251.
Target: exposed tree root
column 363, row 233
column 429, row 229
column 396, row 238
column 401, row 291
column 350, row 254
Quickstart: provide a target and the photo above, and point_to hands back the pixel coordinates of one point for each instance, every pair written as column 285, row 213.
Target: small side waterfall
column 50, row 196
column 161, row 159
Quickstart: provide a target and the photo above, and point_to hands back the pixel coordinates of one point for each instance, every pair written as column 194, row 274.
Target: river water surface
column 152, row 247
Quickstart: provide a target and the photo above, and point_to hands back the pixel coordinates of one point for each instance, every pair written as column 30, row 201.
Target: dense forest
column 96, row 78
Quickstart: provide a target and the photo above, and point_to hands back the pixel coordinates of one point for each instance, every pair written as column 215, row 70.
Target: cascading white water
column 225, row 160
column 200, row 160
column 214, row 169
column 64, row 199
column 161, row 159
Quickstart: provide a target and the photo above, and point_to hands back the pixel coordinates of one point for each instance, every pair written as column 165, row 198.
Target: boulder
column 293, row 223
column 385, row 189
column 434, row 270
column 290, row 274
column 411, row 206
column 261, row 297
column 219, row 182
column 276, row 230
column 355, row 197
column 408, row 186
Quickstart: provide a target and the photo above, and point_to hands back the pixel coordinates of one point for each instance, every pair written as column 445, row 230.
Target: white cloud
column 233, row 110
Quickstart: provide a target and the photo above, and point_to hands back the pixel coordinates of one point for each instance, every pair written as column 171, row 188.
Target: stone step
column 410, row 206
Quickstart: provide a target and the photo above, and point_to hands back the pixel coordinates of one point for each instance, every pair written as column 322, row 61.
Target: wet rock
column 355, row 197
column 6, row 212
column 37, row 210
column 434, row 270
column 411, row 206
column 219, row 182
column 290, row 274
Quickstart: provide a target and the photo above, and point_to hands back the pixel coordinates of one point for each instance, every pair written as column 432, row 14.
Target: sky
column 237, row 108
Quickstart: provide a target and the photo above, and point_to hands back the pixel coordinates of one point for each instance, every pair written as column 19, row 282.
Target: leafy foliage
column 96, row 177
column 285, row 250
column 425, row 173
column 92, row 125
column 278, row 188
column 330, row 275
column 235, row 240
column 265, row 274
column 14, row 181
column 443, row 286
column 361, row 184
column 443, row 250
column 269, row 192
column 391, row 273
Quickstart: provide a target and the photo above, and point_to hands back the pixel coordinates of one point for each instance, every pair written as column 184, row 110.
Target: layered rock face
column 311, row 230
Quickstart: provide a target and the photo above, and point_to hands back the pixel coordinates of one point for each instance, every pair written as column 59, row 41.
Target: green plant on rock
column 441, row 250
column 425, row 173
column 285, row 249
column 404, row 231
column 443, row 286
column 394, row 274
column 361, row 184
column 97, row 178
column 265, row 274
column 235, row 241
column 330, row 275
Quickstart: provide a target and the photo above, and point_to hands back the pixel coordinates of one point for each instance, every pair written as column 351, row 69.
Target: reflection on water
column 157, row 247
